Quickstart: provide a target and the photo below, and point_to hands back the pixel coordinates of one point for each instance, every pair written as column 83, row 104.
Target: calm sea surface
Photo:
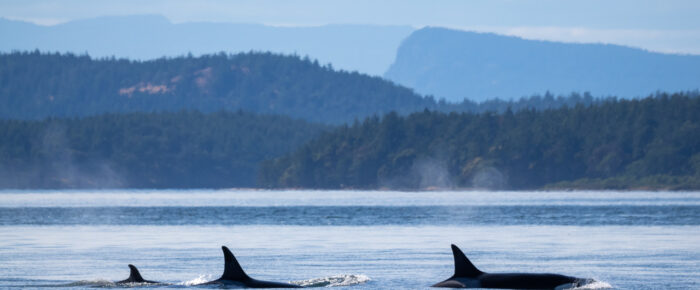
column 347, row 239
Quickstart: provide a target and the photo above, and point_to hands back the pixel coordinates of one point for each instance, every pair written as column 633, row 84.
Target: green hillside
column 35, row 85
column 647, row 143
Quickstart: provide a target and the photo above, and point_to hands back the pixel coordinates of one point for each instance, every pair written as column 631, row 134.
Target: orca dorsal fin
column 135, row 276
column 232, row 270
column 464, row 267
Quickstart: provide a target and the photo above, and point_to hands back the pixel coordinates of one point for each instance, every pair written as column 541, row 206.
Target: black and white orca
column 468, row 276
column 234, row 275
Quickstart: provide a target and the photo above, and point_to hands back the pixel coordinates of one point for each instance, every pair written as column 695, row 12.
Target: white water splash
column 334, row 281
column 596, row 285
column 199, row 280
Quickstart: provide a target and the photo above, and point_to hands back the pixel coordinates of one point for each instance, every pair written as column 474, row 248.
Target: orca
column 234, row 275
column 468, row 276
column 135, row 277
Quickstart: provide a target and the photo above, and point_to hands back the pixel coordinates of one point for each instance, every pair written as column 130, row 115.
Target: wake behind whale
column 341, row 280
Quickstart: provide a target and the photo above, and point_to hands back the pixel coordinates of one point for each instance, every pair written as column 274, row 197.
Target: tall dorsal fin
column 135, row 276
column 232, row 270
column 463, row 267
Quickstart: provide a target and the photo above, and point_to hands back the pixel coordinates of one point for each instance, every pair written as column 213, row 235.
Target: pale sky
column 666, row 25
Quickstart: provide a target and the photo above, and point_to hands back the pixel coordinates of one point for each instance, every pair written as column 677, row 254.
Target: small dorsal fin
column 135, row 276
column 463, row 267
column 232, row 270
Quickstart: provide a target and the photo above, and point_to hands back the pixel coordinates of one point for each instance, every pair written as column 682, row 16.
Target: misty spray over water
column 59, row 166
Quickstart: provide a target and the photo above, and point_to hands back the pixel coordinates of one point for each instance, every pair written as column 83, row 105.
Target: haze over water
column 352, row 239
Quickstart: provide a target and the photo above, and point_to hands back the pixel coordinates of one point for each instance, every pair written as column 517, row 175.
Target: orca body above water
column 135, row 277
column 468, row 276
column 234, row 275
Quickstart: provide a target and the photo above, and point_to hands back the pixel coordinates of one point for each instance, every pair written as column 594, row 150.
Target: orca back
column 525, row 281
column 234, row 274
column 468, row 276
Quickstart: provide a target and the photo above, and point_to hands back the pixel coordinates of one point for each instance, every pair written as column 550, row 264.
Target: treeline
column 647, row 143
column 35, row 85
column 146, row 150
column 534, row 102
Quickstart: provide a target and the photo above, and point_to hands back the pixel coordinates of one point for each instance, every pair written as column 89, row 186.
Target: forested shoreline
column 146, row 150
column 651, row 143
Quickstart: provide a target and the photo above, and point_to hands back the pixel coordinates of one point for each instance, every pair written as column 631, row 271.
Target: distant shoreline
column 548, row 188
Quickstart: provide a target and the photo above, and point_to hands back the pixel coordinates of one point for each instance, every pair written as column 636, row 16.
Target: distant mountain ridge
column 36, row 85
column 454, row 65
column 364, row 48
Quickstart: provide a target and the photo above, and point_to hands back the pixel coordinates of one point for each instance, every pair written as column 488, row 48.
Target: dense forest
column 145, row 150
column 35, row 85
column 645, row 143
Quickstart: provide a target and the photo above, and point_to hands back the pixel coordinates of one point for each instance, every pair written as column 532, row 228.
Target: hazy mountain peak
column 121, row 20
column 455, row 64
column 364, row 48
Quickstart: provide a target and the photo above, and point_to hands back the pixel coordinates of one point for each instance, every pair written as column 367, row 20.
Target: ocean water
column 346, row 239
